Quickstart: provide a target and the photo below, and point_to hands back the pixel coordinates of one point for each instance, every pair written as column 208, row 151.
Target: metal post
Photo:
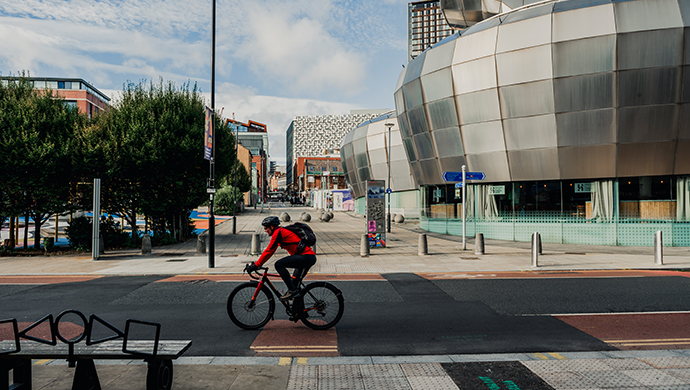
column 464, row 195
column 234, row 205
column 535, row 249
column 389, row 126
column 658, row 248
column 96, row 239
column 211, row 217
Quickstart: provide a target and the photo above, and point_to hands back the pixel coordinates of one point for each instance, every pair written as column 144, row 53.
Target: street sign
column 458, row 185
column 388, row 190
column 457, row 176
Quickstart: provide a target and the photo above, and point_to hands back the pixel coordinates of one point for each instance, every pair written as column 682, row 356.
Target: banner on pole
column 208, row 135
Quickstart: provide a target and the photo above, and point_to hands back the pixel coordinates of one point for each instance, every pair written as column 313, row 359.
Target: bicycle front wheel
column 248, row 313
column 323, row 305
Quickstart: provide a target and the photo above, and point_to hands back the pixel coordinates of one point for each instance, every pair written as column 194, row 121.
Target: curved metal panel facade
column 560, row 90
column 364, row 154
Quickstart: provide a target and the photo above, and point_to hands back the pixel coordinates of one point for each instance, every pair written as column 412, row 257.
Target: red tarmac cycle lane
column 635, row 331
column 286, row 338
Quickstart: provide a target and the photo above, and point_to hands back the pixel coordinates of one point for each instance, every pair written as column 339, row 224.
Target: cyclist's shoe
column 298, row 316
column 290, row 295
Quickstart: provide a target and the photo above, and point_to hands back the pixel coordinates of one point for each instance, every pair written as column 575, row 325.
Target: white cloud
column 298, row 52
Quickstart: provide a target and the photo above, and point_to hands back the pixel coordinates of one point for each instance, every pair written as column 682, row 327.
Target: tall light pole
column 388, row 190
column 237, row 160
column 211, row 190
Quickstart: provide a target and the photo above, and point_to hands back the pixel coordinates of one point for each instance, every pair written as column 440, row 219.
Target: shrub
column 226, row 197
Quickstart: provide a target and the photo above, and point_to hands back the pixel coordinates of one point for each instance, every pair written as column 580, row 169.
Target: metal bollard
column 536, row 239
column 423, row 248
column 364, row 246
column 201, row 245
column 256, row 244
column 479, row 244
column 658, row 248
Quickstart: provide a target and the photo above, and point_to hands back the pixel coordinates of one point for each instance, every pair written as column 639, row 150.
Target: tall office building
column 426, row 26
column 310, row 136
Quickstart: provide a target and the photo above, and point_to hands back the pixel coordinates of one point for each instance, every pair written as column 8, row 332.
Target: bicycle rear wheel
column 323, row 305
column 247, row 313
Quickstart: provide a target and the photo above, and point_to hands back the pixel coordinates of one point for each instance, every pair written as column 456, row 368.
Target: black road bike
column 319, row 305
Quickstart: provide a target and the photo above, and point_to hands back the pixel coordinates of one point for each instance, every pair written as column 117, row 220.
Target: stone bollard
column 201, row 244
column 325, row 217
column 399, row 218
column 536, row 243
column 256, row 244
column 364, row 246
column 479, row 244
column 306, row 217
column 423, row 248
column 285, row 217
column 146, row 244
column 330, row 215
column 658, row 248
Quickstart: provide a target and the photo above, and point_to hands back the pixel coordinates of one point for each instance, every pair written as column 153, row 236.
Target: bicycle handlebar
column 258, row 275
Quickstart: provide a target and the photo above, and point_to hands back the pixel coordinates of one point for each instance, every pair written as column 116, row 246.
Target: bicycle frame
column 264, row 280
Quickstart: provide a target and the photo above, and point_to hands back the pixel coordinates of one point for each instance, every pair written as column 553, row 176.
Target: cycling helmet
column 271, row 221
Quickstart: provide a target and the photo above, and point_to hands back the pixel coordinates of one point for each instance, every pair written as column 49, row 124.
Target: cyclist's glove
column 251, row 267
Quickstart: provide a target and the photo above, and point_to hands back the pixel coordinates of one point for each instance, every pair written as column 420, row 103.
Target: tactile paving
column 341, row 384
column 681, row 373
column 627, row 364
column 302, row 383
column 425, row 369
column 339, row 371
column 431, row 382
column 304, row 371
column 655, row 378
column 567, row 380
column 611, row 379
column 386, row 383
column 668, row 362
column 381, row 370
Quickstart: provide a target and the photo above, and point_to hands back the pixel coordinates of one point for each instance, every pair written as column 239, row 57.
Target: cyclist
column 289, row 241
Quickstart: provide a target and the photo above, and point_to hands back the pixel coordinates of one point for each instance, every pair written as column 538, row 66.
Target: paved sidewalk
column 338, row 251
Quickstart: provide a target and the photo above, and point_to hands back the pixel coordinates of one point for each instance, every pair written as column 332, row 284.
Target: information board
column 376, row 213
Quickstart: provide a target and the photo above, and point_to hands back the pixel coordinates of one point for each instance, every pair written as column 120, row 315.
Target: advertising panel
column 376, row 213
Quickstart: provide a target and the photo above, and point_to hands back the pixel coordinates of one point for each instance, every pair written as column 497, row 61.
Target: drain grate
column 176, row 260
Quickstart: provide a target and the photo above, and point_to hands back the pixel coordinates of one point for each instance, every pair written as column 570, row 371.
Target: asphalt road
column 402, row 314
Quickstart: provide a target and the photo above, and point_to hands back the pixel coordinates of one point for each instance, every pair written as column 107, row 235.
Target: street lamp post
column 388, row 190
column 237, row 160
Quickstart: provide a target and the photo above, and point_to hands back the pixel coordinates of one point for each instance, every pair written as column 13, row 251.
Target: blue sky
column 275, row 59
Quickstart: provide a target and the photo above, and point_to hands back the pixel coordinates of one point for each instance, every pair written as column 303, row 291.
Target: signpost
column 461, row 177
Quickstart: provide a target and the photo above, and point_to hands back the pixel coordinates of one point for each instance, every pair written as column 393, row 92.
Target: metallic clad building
column 364, row 154
column 553, row 96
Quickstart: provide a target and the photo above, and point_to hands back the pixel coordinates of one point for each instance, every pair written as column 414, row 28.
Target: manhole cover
column 494, row 375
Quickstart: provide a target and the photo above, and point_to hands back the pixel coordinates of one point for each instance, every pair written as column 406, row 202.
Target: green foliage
column 37, row 133
column 148, row 151
column 226, row 197
column 79, row 233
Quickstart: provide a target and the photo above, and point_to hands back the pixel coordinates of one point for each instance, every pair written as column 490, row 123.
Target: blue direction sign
column 457, row 176
column 388, row 190
column 458, row 185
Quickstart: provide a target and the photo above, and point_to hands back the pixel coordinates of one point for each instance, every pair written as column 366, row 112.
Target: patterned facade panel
column 588, row 89
column 370, row 144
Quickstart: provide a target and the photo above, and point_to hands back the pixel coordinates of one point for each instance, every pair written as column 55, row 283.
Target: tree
column 149, row 152
column 38, row 131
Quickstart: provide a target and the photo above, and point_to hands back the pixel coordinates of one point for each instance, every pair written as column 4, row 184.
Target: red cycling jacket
column 287, row 240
